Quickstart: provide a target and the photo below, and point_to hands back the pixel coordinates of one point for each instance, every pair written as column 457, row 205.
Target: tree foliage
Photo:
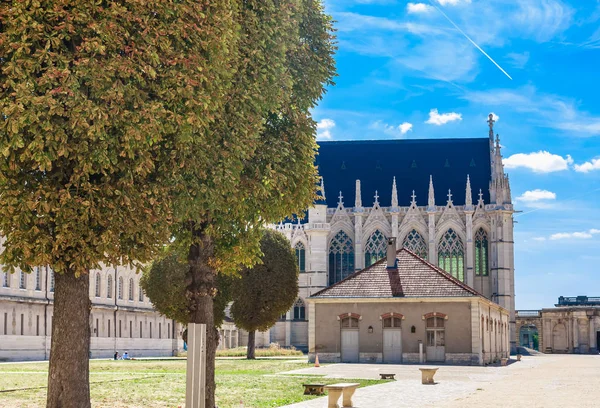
column 269, row 289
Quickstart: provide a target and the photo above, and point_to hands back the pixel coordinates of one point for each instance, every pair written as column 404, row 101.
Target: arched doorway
column 392, row 338
column 529, row 336
column 349, row 339
column 436, row 343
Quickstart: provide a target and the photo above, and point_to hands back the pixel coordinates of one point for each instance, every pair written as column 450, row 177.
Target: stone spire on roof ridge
column 469, row 195
column 323, row 188
column 394, row 193
column 358, row 199
column 431, row 198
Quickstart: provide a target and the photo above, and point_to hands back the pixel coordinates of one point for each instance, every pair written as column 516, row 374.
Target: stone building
column 572, row 326
column 122, row 317
column 447, row 200
column 405, row 310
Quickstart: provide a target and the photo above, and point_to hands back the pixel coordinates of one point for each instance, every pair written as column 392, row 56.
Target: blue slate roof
column 376, row 162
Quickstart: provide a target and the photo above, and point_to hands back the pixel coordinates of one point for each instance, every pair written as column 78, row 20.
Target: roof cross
column 449, row 196
column 340, row 202
column 480, row 195
column 414, row 197
column 376, row 198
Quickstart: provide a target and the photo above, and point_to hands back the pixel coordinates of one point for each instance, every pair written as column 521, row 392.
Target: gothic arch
column 407, row 228
column 375, row 247
column 415, row 242
column 457, row 227
column 348, row 230
column 451, row 252
column 370, row 228
column 341, row 257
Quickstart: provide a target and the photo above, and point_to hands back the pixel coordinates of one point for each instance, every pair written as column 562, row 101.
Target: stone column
column 359, row 255
column 470, row 277
column 575, row 334
column 432, row 244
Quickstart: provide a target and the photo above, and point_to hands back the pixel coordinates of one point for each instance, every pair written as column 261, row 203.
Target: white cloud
column 575, row 235
column 418, row 8
column 391, row 130
column 537, row 195
column 539, row 238
column 518, row 60
column 495, row 117
column 453, row 2
column 436, row 119
column 586, row 167
column 538, row 162
column 324, row 127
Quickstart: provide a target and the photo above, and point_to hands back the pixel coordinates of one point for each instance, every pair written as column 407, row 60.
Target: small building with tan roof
column 404, row 309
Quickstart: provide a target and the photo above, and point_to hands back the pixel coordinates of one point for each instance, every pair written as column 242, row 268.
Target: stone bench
column 427, row 375
column 313, row 389
column 387, row 376
column 336, row 390
column 519, row 357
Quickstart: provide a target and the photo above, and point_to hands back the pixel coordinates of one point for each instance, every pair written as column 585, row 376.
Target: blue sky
column 405, row 71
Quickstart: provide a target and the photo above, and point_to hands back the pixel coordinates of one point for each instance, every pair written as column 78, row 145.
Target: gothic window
column 6, row 280
column 299, row 310
column 51, row 280
column 451, row 255
column 141, row 294
column 415, row 243
column 22, row 280
column 481, row 253
column 376, row 248
column 131, row 289
column 109, row 287
column 120, row 288
column 98, row 281
column 38, row 279
column 301, row 256
column 341, row 257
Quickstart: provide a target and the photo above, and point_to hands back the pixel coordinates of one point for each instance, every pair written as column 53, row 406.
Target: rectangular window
column 97, row 328
column 168, row 330
column 5, row 324
column 141, row 330
column 22, row 280
column 120, row 332
column 22, row 324
column 37, row 325
column 150, row 329
column 108, row 327
column 38, row 279
column 5, row 280
column 51, row 281
column 130, row 329
column 159, row 331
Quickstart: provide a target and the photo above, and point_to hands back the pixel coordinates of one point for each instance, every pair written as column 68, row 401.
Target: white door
column 392, row 346
column 436, row 350
column 349, row 345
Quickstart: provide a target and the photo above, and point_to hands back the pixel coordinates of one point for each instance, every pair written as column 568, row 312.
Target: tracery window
column 22, row 280
column 6, row 280
column 109, row 287
column 98, row 284
column 130, row 289
column 120, row 288
column 38, row 278
column 299, row 310
column 376, row 248
column 141, row 294
column 51, row 280
column 341, row 257
column 451, row 255
column 481, row 253
column 415, row 243
column 301, row 256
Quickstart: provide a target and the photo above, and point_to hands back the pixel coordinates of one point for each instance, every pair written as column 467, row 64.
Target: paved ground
column 552, row 381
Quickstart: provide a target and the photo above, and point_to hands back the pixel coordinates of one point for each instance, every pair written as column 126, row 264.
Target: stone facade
column 122, row 317
column 477, row 226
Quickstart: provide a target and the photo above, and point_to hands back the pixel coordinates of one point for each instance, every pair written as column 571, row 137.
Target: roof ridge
column 442, row 272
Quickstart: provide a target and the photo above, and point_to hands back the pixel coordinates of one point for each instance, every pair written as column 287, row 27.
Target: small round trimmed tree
column 267, row 290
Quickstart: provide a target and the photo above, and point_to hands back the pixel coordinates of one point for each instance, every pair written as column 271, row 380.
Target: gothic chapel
column 446, row 200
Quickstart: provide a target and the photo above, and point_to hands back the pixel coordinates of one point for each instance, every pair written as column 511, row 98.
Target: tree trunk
column 251, row 345
column 69, row 373
column 201, row 291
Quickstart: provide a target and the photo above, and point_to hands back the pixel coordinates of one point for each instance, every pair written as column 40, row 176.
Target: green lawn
column 120, row 384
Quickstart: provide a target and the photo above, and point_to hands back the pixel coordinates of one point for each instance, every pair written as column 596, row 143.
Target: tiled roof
column 376, row 162
column 413, row 278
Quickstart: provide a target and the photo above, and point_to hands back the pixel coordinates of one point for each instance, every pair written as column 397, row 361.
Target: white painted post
column 195, row 387
column 421, row 352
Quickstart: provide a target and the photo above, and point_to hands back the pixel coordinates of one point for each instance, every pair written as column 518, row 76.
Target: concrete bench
column 427, row 375
column 336, row 390
column 387, row 376
column 503, row 361
column 313, row 389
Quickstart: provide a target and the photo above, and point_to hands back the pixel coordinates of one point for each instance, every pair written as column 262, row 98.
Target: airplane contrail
column 472, row 42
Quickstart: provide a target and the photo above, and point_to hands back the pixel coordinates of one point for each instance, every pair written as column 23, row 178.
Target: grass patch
column 273, row 351
column 154, row 384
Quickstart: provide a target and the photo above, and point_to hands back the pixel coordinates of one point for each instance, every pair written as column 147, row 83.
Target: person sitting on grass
column 116, row 356
column 126, row 356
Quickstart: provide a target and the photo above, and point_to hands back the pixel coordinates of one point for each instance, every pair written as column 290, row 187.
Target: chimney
column 391, row 253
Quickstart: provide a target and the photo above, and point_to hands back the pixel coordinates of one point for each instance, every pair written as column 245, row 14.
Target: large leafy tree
column 267, row 290
column 96, row 99
column 255, row 164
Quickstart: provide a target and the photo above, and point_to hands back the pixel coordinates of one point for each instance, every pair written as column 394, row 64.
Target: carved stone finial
column 340, row 202
column 480, row 198
column 376, row 202
column 491, row 124
column 449, row 197
column 431, row 197
column 469, row 195
column 358, row 198
column 394, row 193
column 323, row 188
column 414, row 198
